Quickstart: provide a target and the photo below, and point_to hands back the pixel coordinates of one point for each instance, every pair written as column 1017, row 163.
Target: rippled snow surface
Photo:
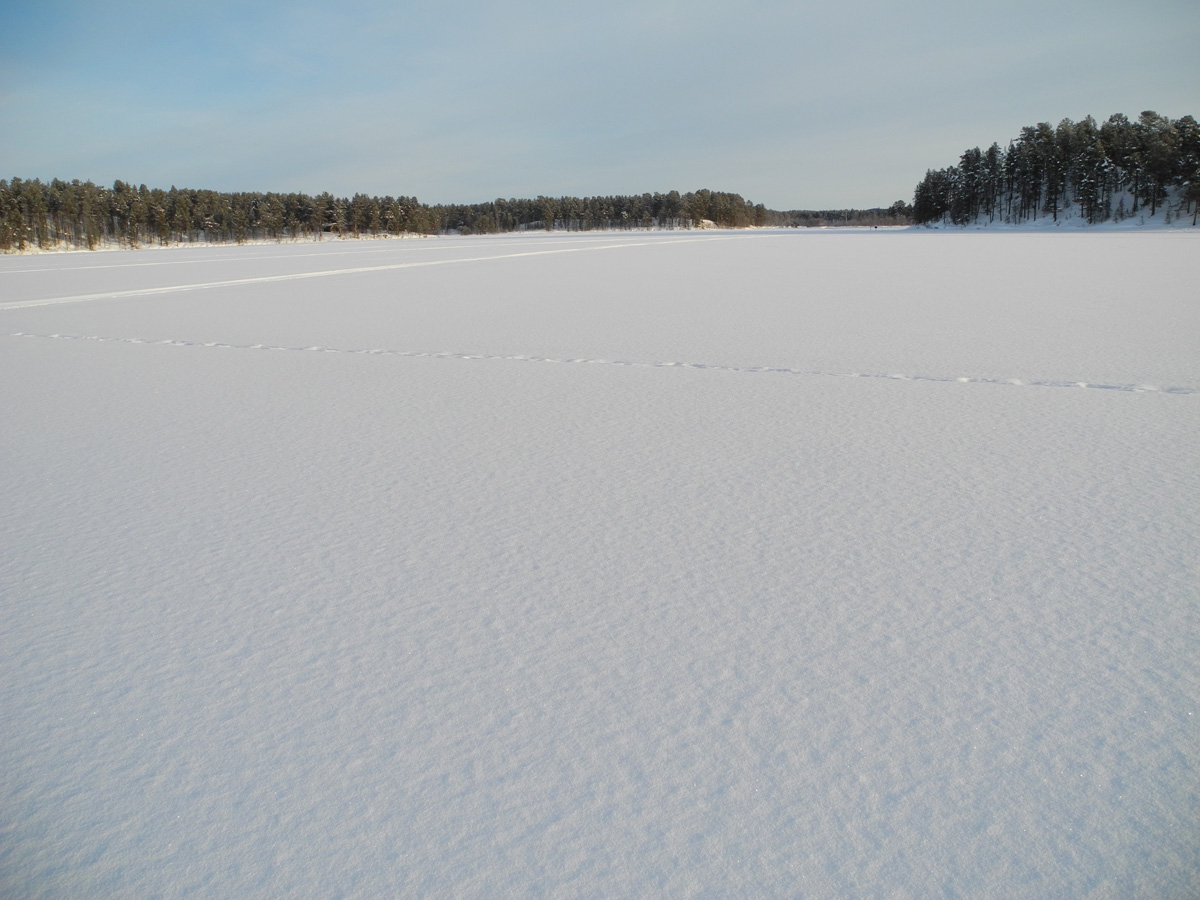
column 650, row 565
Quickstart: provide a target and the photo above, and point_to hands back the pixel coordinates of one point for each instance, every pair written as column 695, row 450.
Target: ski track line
column 296, row 276
column 422, row 245
column 194, row 261
column 708, row 367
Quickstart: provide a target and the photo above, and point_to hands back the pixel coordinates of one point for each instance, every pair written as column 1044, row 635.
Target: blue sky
column 795, row 105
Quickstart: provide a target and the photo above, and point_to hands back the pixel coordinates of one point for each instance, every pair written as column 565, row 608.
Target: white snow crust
column 797, row 564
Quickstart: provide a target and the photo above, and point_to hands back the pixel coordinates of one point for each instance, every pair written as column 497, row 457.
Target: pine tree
column 1158, row 146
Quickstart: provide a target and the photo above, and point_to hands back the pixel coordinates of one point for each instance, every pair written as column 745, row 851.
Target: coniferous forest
column 1099, row 173
column 82, row 215
column 1095, row 172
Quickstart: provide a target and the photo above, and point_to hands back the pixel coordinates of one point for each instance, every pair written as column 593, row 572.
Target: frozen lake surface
column 804, row 564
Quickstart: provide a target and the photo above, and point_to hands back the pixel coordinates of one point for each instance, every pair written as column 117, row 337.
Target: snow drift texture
column 770, row 565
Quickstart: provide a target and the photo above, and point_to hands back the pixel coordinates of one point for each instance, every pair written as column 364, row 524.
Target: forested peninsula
column 1097, row 173
column 36, row 215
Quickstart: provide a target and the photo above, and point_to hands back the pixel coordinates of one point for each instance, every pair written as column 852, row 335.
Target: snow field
column 294, row 623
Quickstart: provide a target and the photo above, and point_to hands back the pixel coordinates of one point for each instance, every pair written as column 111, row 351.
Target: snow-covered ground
column 804, row 564
column 1173, row 214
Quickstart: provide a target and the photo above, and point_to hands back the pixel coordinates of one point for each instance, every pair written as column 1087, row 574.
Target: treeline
column 670, row 210
column 80, row 214
column 1097, row 172
column 85, row 215
column 899, row 213
column 696, row 209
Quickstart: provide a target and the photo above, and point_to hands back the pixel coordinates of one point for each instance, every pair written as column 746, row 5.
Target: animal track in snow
column 713, row 367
